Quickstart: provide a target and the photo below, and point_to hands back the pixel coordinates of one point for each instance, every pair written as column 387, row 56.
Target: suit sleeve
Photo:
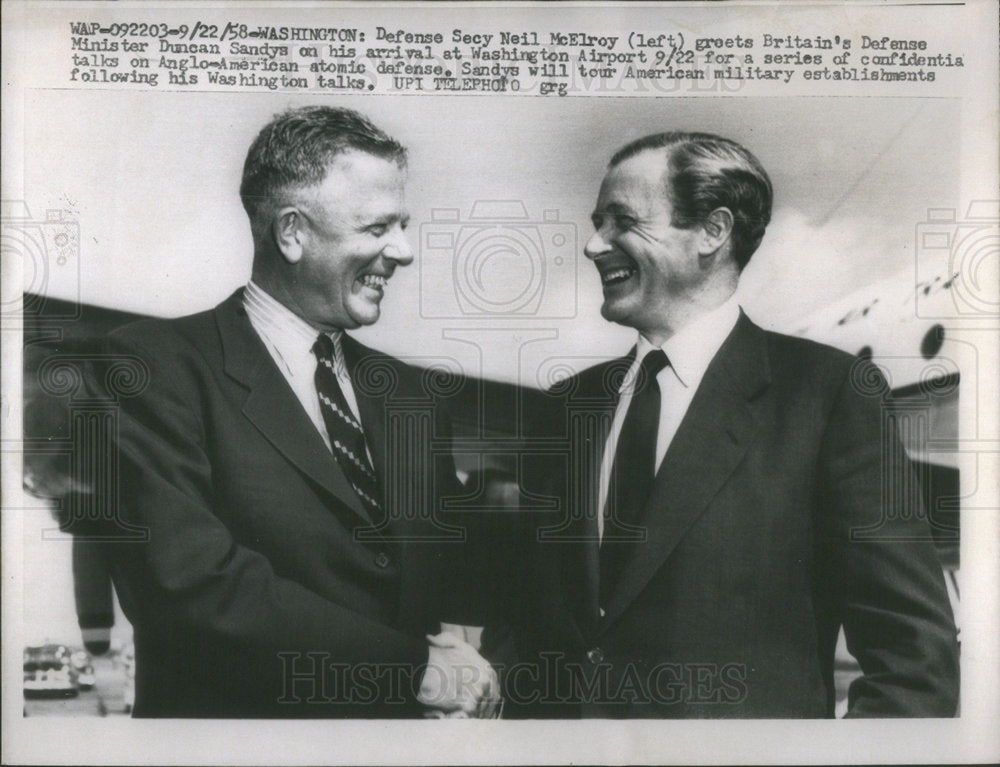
column 190, row 579
column 511, row 543
column 881, row 564
column 461, row 603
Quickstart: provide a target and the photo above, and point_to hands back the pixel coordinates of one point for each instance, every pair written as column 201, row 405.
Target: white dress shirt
column 289, row 339
column 689, row 351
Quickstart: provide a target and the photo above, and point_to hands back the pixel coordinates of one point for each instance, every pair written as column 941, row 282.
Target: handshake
column 458, row 683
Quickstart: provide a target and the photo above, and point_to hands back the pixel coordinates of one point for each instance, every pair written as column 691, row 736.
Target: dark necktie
column 347, row 438
column 632, row 472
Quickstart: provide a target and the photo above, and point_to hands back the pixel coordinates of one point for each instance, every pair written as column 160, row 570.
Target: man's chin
column 365, row 315
column 615, row 312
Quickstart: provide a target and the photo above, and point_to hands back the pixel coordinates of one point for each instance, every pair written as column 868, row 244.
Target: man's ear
column 286, row 231
column 715, row 231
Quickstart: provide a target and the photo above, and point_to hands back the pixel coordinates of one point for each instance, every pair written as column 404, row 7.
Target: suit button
column 595, row 655
column 382, row 559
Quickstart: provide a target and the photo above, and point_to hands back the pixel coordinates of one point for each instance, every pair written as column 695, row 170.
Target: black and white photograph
column 622, row 376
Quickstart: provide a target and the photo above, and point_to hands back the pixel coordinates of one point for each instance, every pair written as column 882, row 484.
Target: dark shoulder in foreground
column 597, row 381
column 378, row 372
column 193, row 327
column 803, row 357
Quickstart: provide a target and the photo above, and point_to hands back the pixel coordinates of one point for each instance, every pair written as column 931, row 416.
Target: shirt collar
column 692, row 348
column 283, row 325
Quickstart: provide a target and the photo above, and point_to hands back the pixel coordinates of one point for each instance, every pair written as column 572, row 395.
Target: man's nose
column 399, row 249
column 597, row 245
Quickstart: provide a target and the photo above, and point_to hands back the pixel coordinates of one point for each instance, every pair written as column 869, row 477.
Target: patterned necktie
column 633, row 470
column 347, row 438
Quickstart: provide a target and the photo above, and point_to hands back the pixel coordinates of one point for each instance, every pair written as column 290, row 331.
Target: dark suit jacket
column 263, row 589
column 784, row 508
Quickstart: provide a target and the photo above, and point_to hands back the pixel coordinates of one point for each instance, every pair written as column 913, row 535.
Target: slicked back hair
column 296, row 149
column 706, row 172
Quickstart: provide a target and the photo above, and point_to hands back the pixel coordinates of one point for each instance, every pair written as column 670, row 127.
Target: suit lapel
column 593, row 398
column 364, row 366
column 378, row 384
column 272, row 406
column 710, row 443
column 375, row 381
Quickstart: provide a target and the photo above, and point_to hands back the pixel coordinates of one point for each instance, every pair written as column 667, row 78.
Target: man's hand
column 458, row 681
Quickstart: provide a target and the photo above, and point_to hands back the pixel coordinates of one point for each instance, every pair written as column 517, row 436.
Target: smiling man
column 728, row 498
column 295, row 563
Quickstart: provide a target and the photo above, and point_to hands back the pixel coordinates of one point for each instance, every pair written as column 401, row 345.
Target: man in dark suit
column 725, row 498
column 285, row 479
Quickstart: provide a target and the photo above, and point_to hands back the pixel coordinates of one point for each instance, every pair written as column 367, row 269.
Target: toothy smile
column 373, row 281
column 614, row 274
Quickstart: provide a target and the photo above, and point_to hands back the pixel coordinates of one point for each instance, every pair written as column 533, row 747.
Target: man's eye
column 378, row 230
column 620, row 222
